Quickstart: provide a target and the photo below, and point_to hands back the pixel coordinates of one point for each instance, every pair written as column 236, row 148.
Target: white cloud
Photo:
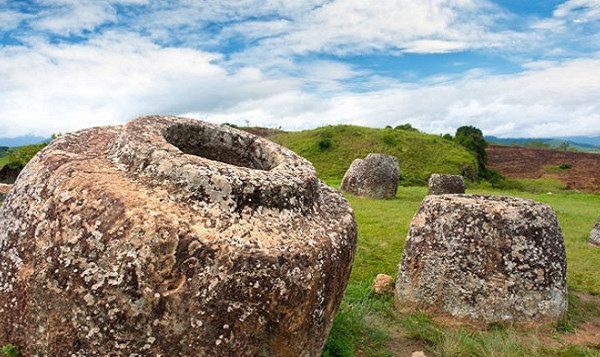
column 350, row 27
column 10, row 19
column 579, row 10
column 116, row 75
column 51, row 88
column 66, row 17
column 558, row 98
column 569, row 17
column 277, row 27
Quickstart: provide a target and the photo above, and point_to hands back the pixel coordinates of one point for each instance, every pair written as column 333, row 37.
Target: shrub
column 564, row 146
column 389, row 139
column 324, row 144
column 18, row 157
column 498, row 180
column 564, row 166
column 557, row 168
column 406, row 127
column 468, row 172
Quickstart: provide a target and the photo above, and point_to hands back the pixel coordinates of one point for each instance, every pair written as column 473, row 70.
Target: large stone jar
column 484, row 259
column 171, row 237
column 446, row 184
column 375, row 176
column 595, row 234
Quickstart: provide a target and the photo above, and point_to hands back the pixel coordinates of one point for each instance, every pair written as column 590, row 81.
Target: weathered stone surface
column 376, row 176
column 595, row 235
column 171, row 237
column 487, row 259
column 446, row 184
column 382, row 284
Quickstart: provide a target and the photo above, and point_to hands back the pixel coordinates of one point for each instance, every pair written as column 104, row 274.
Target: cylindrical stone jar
column 484, row 259
column 173, row 237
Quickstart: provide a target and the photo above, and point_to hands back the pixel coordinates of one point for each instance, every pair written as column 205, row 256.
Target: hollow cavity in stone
column 215, row 145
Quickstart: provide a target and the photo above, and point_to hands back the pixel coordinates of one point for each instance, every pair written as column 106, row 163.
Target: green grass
column 10, row 351
column 555, row 169
column 3, row 161
column 332, row 149
column 365, row 322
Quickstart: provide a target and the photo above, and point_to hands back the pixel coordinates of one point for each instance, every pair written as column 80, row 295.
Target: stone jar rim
column 214, row 163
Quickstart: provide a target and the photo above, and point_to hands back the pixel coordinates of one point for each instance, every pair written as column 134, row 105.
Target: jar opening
column 217, row 145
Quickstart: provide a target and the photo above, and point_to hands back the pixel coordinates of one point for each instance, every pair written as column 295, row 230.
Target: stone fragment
column 382, row 284
column 4, row 189
column 489, row 259
column 446, row 184
column 418, row 354
column 595, row 235
column 376, row 176
column 172, row 237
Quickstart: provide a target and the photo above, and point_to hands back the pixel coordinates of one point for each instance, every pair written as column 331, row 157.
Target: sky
column 513, row 68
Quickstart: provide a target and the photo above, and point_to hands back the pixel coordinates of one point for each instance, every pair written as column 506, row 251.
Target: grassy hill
column 19, row 156
column 332, row 149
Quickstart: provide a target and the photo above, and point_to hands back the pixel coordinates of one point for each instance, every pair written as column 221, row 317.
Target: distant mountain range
column 590, row 140
column 22, row 140
column 581, row 143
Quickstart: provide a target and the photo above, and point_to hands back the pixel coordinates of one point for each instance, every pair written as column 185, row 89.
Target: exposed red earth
column 520, row 162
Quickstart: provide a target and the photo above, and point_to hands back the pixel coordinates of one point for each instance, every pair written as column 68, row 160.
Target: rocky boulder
column 172, row 237
column 376, row 176
column 446, row 184
column 382, row 284
column 595, row 235
column 489, row 259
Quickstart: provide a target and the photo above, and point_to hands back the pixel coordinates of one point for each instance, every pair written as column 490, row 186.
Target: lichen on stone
column 171, row 236
column 595, row 234
column 446, row 184
column 375, row 176
column 490, row 259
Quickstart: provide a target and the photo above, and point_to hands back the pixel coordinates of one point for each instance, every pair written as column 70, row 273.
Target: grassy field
column 331, row 150
column 367, row 325
column 3, row 161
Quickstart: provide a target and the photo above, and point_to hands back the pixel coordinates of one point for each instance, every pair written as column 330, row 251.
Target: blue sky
column 511, row 67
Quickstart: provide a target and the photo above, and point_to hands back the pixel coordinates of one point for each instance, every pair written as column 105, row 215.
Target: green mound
column 331, row 149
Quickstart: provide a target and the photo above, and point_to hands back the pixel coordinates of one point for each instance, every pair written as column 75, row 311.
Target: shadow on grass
column 364, row 323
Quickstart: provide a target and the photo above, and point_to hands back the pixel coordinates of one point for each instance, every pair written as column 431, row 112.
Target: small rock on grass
column 382, row 284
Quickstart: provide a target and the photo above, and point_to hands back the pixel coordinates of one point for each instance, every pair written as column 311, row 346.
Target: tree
column 18, row 157
column 406, row 127
column 472, row 138
column 564, row 145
